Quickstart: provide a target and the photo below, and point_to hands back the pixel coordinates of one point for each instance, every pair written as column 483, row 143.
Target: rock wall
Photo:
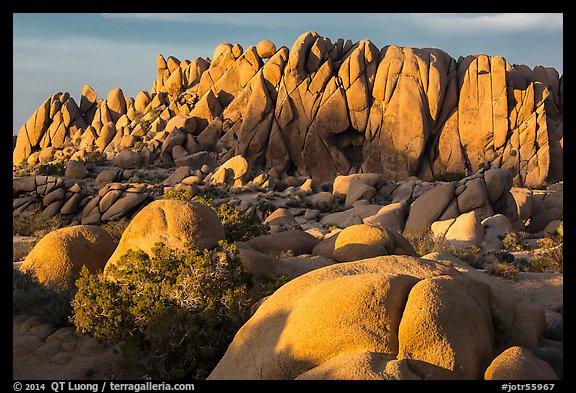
column 323, row 109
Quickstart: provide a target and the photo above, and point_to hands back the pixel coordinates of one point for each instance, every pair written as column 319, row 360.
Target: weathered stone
column 475, row 196
column 436, row 342
column 391, row 216
column 60, row 255
column 177, row 176
column 466, row 231
column 172, row 222
column 123, row 206
column 426, row 209
column 518, row 363
column 116, row 103
column 358, row 190
column 75, row 170
column 52, row 196
column 71, row 205
column 497, row 181
column 107, row 176
column 127, row 159
column 280, row 217
column 266, row 49
column 495, row 228
column 288, row 243
column 323, row 314
column 362, row 241
column 182, row 123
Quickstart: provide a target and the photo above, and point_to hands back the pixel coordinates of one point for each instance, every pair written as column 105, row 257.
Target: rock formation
column 322, row 109
column 354, row 157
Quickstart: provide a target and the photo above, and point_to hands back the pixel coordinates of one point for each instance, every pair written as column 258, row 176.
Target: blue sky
column 62, row 52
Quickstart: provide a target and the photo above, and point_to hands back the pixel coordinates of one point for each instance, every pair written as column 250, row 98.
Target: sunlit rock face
column 324, row 108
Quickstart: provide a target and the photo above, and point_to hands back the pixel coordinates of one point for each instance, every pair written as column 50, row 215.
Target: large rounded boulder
column 60, row 255
column 362, row 241
column 316, row 317
column 174, row 223
column 388, row 317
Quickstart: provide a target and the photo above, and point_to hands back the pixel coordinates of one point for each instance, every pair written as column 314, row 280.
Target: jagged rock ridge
column 322, row 109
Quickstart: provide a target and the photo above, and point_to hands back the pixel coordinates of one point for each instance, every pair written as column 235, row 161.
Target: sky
column 61, row 52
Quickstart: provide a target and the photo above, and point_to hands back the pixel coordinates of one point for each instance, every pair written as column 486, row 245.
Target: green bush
column 48, row 301
column 550, row 258
column 94, row 159
column 514, row 242
column 34, row 223
column 176, row 310
column 21, row 169
column 56, row 168
column 471, row 255
column 266, row 208
column 549, row 261
column 179, row 195
column 238, row 226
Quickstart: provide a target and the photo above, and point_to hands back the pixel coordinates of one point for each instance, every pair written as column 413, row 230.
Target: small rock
column 280, row 217
column 311, row 214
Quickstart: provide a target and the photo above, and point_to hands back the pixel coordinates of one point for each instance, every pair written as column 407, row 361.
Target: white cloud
column 489, row 23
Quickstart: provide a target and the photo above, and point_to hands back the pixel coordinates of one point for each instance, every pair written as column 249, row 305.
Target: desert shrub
column 145, row 124
column 513, row 242
column 215, row 191
column 329, row 208
column 47, row 300
column 94, row 159
column 138, row 146
column 265, row 207
column 179, row 195
column 448, row 176
column 116, row 228
column 238, row 226
column 425, row 242
column 22, row 169
column 552, row 262
column 269, row 285
column 176, row 310
column 550, row 257
column 471, row 255
column 154, row 113
column 34, row 223
column 548, row 261
column 502, row 269
column 56, row 168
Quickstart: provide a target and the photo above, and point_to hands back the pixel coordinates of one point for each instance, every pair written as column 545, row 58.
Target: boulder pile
column 321, row 109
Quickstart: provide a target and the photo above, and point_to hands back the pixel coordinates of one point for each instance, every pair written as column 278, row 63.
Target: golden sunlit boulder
column 173, row 223
column 60, row 255
column 518, row 363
